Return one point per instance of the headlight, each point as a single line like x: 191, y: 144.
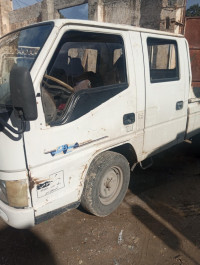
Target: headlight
x: 14, y: 193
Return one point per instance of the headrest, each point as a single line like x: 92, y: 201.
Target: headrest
x: 75, y: 67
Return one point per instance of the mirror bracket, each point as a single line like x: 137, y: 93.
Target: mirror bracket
x: 22, y: 130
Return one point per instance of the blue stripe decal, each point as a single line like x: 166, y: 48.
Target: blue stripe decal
x: 65, y: 149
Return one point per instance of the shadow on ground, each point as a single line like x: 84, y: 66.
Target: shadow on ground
x: 171, y: 190
x: 23, y: 247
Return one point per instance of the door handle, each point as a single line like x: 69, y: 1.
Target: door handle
x: 128, y: 118
x: 179, y: 105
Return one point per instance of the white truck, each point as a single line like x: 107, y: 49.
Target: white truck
x: 83, y: 104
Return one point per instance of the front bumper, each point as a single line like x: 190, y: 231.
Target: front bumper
x: 17, y: 218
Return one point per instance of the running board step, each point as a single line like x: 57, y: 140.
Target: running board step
x: 148, y: 162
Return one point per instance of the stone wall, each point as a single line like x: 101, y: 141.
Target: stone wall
x: 25, y: 16
x: 172, y: 17
x: 166, y: 15
x: 150, y: 14
x: 5, y: 9
x: 113, y: 11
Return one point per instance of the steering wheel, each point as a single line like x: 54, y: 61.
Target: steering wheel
x: 68, y: 87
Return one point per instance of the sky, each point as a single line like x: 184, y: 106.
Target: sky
x: 192, y: 2
x: 77, y: 12
x: 80, y: 12
x: 22, y: 3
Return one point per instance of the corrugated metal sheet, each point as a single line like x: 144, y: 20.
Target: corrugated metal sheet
x: 192, y: 34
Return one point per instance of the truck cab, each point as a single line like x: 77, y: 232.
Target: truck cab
x: 81, y: 103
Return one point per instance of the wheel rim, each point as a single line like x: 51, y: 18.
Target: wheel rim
x: 110, y: 185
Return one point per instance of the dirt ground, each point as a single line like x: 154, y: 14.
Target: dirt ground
x: 158, y: 222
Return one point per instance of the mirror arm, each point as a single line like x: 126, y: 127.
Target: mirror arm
x: 22, y: 130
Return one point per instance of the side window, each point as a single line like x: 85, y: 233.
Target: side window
x: 84, y: 63
x: 163, y: 60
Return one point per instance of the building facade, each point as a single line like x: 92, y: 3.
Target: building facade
x: 167, y: 15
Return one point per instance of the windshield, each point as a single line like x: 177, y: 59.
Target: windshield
x: 20, y: 48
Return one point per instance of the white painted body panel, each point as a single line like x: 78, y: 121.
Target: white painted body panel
x: 157, y: 123
x: 193, y: 119
x: 11, y: 145
x: 18, y: 218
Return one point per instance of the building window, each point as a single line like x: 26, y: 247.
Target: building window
x: 167, y: 22
x: 171, y: 2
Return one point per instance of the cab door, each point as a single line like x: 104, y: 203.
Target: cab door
x: 83, y: 95
x: 167, y: 82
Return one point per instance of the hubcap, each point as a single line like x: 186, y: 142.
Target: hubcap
x: 111, y: 185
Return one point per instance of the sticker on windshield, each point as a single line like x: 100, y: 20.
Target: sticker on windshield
x: 55, y: 182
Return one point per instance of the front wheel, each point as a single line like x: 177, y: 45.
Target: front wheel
x: 106, y: 183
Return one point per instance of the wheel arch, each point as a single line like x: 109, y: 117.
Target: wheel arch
x: 127, y: 151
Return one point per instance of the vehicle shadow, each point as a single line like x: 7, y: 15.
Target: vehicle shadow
x: 23, y: 247
x: 170, y: 191
x: 158, y: 229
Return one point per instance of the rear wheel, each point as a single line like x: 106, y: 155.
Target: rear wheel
x: 106, y: 183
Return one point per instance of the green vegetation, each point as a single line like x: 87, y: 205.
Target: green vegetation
x: 193, y: 11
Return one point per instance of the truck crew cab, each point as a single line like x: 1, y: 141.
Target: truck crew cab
x: 80, y: 104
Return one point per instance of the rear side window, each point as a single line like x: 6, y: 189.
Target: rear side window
x: 163, y: 60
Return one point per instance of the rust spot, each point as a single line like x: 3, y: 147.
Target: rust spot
x: 97, y: 151
x: 86, y: 142
x: 33, y: 182
x: 81, y: 179
x: 69, y: 180
x: 38, y: 181
x: 85, y: 167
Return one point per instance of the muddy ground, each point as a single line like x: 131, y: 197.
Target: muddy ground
x: 158, y: 222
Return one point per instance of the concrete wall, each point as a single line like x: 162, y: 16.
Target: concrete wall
x: 174, y: 12
x: 122, y: 12
x: 25, y: 16
x: 150, y: 14
x: 5, y: 9
x: 166, y: 15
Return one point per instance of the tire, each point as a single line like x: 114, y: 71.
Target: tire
x: 106, y: 183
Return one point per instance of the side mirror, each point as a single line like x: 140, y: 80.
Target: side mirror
x: 22, y: 93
